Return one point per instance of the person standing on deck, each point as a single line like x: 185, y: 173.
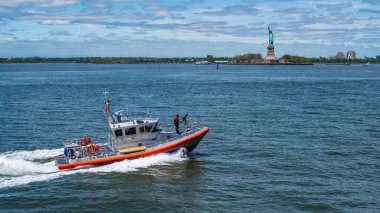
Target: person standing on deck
x: 176, y: 123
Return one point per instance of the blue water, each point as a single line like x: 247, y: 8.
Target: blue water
x: 282, y: 138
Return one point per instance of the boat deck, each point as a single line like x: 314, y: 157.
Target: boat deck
x: 104, y: 151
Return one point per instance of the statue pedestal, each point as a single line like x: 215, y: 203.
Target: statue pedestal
x: 270, y: 53
x: 271, y: 58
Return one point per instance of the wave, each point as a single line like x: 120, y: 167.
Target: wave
x: 38, y: 154
x: 22, y: 167
x: 18, y: 163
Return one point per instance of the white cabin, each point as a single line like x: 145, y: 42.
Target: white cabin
x: 127, y: 132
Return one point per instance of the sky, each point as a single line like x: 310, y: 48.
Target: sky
x: 187, y: 28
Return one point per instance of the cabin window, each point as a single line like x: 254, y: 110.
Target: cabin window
x: 118, y: 132
x: 148, y: 127
x: 155, y: 127
x: 142, y: 129
x: 130, y: 131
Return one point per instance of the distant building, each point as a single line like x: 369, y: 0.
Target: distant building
x: 340, y: 55
x: 378, y: 57
x: 210, y: 56
x: 351, y: 54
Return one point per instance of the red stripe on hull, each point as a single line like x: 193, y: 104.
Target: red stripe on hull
x: 177, y: 144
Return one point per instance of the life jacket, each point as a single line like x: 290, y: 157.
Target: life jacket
x: 176, y: 121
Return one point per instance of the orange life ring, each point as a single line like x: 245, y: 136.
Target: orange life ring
x: 91, y: 149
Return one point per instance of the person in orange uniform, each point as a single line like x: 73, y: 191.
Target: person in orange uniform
x: 176, y: 123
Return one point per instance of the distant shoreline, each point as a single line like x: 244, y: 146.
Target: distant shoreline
x: 188, y: 60
x: 238, y: 64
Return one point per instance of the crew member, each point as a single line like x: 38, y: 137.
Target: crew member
x: 176, y: 123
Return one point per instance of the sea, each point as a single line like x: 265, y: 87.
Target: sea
x: 281, y: 139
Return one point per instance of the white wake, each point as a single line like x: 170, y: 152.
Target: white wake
x: 24, y: 167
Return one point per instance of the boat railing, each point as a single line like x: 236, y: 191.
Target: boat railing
x: 188, y: 128
x: 83, y: 155
x: 189, y: 124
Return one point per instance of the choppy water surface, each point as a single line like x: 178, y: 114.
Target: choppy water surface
x: 282, y: 138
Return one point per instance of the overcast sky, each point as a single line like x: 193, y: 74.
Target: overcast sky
x: 153, y: 28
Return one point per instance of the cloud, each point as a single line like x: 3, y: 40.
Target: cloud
x: 233, y: 10
x: 148, y: 16
x: 371, y: 2
x: 66, y: 19
x: 140, y: 32
x: 334, y: 7
x: 58, y: 3
x: 7, y: 11
x: 195, y: 2
x: 54, y: 22
x: 160, y: 12
x: 219, y: 27
x: 38, y: 3
x: 17, y: 3
x: 7, y: 34
x: 59, y: 33
x: 2, y: 22
x: 295, y: 10
x: 370, y: 11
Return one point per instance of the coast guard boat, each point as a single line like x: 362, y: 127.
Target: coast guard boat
x: 128, y: 138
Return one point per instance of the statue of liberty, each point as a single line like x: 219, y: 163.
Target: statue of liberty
x: 271, y: 36
x: 270, y: 49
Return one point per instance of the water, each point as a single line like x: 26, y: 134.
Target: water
x: 282, y: 138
